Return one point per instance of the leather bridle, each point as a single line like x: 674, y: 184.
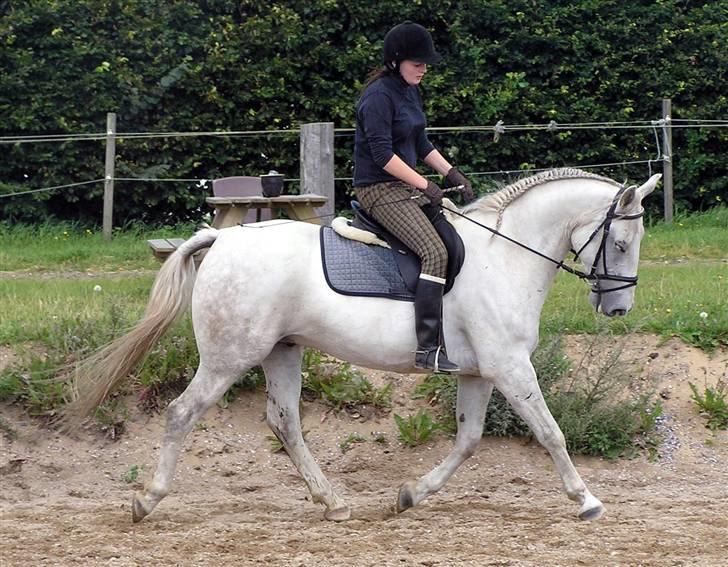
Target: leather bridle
x: 594, y: 276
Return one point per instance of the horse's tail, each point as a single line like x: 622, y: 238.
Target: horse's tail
x: 97, y: 376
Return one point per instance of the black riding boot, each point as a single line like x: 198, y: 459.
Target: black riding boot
x: 430, y: 353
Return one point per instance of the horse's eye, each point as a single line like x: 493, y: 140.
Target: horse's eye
x: 621, y: 245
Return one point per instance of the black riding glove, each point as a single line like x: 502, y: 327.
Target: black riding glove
x: 433, y: 193
x: 454, y: 178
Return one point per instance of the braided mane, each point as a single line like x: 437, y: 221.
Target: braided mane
x: 500, y: 200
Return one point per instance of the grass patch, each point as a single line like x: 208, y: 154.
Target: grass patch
x: 252, y: 380
x: 30, y: 383
x: 49, y: 311
x: 71, y: 247
x: 77, y: 321
x: 701, y: 235
x: 688, y: 301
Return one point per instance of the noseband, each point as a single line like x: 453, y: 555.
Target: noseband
x: 595, y: 277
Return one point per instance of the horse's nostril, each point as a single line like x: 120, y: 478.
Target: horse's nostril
x: 618, y: 313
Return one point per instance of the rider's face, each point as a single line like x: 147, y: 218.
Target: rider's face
x: 412, y: 71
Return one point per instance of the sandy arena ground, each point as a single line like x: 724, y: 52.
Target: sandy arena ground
x: 64, y: 501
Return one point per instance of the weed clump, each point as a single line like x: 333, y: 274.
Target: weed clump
x: 416, y: 429
x: 712, y: 404
x: 350, y: 440
x: 340, y: 385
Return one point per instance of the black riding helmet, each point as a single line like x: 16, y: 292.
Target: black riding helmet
x: 409, y: 41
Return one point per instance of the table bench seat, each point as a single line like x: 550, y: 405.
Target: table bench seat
x: 162, y: 248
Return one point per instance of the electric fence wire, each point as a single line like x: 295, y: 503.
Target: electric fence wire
x: 54, y: 188
x: 201, y: 181
x: 498, y: 127
x: 141, y: 135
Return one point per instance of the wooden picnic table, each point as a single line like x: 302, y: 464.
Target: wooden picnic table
x: 230, y: 211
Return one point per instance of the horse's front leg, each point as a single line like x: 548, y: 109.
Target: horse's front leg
x: 523, y: 392
x: 472, y: 401
x: 283, y: 379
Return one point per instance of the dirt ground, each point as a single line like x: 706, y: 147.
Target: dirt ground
x: 65, y: 501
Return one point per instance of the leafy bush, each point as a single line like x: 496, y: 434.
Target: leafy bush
x: 500, y: 420
x: 595, y: 411
x: 606, y: 429
x: 191, y: 66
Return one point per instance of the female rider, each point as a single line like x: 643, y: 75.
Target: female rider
x: 390, y: 138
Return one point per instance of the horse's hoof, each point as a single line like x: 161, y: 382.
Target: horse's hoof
x: 592, y: 509
x: 338, y: 514
x: 138, y: 511
x: 406, y: 496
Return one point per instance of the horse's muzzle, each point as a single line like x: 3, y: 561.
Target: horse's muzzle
x: 606, y: 306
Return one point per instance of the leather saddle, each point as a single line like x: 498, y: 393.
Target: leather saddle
x: 354, y: 268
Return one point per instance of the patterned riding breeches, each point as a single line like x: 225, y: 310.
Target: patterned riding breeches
x: 396, y: 206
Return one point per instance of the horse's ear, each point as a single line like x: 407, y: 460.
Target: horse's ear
x: 649, y: 186
x: 627, y: 198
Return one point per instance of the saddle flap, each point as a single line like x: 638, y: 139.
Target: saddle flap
x: 400, y: 260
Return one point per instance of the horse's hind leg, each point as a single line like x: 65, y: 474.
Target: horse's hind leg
x: 283, y: 378
x: 523, y: 393
x: 472, y: 402
x: 203, y: 391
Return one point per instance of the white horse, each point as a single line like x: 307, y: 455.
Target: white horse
x: 260, y: 297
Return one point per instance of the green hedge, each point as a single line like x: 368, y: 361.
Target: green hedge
x: 244, y: 65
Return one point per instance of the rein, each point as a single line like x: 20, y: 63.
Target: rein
x: 593, y: 276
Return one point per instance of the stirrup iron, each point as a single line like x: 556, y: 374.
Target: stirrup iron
x: 440, y: 364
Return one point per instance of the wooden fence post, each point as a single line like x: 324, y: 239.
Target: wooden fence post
x: 667, y: 158
x: 109, y: 174
x: 317, y: 164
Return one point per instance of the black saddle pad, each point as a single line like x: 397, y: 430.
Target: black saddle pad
x: 355, y: 268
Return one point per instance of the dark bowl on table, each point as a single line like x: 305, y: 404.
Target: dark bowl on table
x: 272, y: 185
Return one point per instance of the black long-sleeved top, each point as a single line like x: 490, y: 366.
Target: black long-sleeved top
x: 389, y: 121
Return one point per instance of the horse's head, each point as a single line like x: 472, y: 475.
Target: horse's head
x: 609, y: 247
